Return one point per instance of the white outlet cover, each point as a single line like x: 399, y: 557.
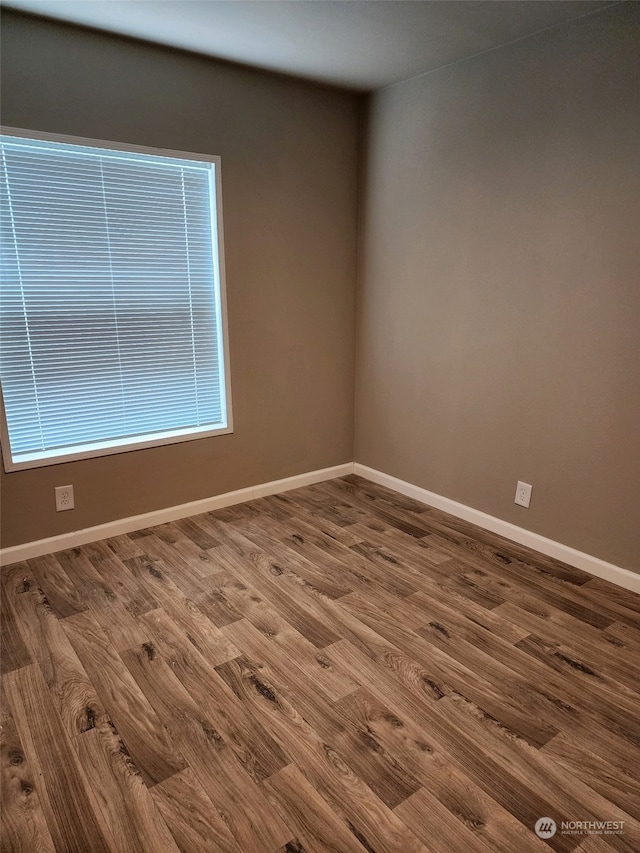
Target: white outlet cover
x: 523, y: 494
x: 64, y: 498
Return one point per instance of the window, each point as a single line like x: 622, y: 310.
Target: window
x: 112, y: 316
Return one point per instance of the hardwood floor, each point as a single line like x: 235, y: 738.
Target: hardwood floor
x: 337, y: 668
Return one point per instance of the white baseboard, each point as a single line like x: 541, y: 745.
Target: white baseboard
x: 52, y: 544
x: 578, y: 559
x: 592, y: 565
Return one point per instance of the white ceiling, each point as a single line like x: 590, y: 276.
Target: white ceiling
x: 356, y: 44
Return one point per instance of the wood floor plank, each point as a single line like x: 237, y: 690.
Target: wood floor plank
x: 625, y: 638
x: 119, y: 625
x: 316, y: 825
x: 61, y: 594
x: 187, y: 616
x: 291, y: 544
x: 353, y: 484
x: 229, y: 780
x: 332, y: 508
x: 307, y: 662
x: 546, y: 687
x: 490, y: 584
x: 605, y: 777
x: 606, y: 744
x: 438, y: 602
x: 75, y: 696
x: 135, y: 720
x: 598, y: 588
x: 124, y: 547
x: 566, y: 793
x: 198, y: 536
x: 303, y: 510
x: 136, y: 598
x: 595, y: 844
x: 385, y: 509
x: 274, y: 586
x: 522, y: 801
x: 386, y: 777
x: 597, y: 656
x: 23, y: 826
x: 277, y: 583
x: 415, y: 555
x: 613, y: 709
x: 185, y: 572
x: 13, y: 649
x: 428, y: 819
x: 550, y: 689
x: 451, y: 793
x: 564, y: 595
x: 67, y: 801
x: 192, y: 816
x: 243, y: 555
x: 215, y: 603
x: 335, y: 668
x: 13, y: 652
x: 498, y: 551
x: 253, y: 746
x: 481, y: 650
x: 547, y: 696
x: 123, y: 799
x: 200, y: 562
x: 367, y: 817
x: 353, y: 568
x: 258, y: 575
x: 451, y: 675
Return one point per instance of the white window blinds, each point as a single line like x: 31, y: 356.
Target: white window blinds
x: 111, y: 321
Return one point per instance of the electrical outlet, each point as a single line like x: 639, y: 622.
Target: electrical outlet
x: 523, y: 494
x: 64, y: 498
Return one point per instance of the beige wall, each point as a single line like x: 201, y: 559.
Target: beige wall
x: 498, y: 328
x: 289, y: 170
x: 499, y: 296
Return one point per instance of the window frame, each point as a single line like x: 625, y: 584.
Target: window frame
x: 125, y: 445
